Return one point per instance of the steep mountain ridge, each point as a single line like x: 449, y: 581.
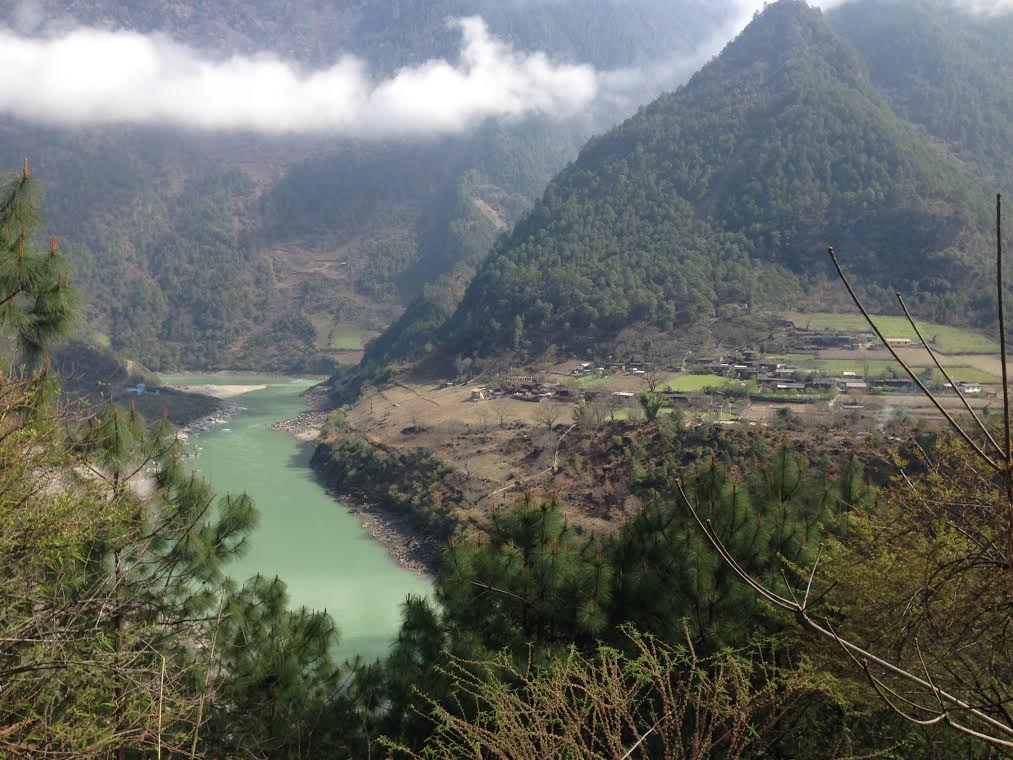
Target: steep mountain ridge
x: 946, y: 71
x: 726, y: 192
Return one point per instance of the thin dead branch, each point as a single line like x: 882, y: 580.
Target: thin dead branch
x: 1003, y: 734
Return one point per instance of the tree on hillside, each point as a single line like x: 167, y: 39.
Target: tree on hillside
x: 36, y: 301
x: 652, y: 404
x: 533, y: 580
x: 666, y: 573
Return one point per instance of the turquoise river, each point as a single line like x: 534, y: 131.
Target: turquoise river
x: 305, y: 537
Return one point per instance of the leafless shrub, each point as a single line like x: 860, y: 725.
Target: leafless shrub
x: 548, y: 414
x: 661, y: 701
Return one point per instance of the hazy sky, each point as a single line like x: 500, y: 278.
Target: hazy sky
x: 93, y: 76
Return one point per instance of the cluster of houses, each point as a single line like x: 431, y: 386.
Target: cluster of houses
x: 525, y: 388
x: 774, y: 375
x: 521, y: 388
x: 610, y: 367
x: 528, y: 388
x: 743, y: 365
x: 770, y: 374
x: 787, y: 338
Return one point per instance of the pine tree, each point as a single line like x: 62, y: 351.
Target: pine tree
x: 37, y: 304
x: 279, y: 678
x: 668, y: 575
x: 533, y: 579
x: 161, y: 567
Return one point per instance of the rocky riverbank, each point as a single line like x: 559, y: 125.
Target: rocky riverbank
x: 220, y: 416
x: 305, y: 426
x: 406, y: 500
x: 408, y: 540
x: 398, y: 535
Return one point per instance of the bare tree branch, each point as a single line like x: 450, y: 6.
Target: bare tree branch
x: 942, y: 369
x: 1003, y: 733
x: 917, y: 381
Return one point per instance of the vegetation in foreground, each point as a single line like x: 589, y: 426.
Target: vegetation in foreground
x: 123, y: 636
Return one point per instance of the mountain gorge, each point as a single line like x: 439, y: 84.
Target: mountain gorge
x: 184, y: 240
x: 724, y: 193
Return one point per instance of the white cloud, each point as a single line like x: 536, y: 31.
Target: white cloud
x: 91, y: 76
x: 988, y: 7
x: 77, y: 75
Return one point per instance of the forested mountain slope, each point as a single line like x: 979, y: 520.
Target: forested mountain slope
x: 727, y: 192
x: 947, y: 71
x: 235, y: 250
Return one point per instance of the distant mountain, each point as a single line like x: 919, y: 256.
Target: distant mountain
x: 215, y: 250
x: 726, y: 192
x: 944, y: 69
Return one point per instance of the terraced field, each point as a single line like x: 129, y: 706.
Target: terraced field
x: 945, y: 338
x: 883, y: 367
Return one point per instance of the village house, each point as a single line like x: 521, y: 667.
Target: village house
x: 892, y: 385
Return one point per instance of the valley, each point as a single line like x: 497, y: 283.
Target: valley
x: 505, y: 378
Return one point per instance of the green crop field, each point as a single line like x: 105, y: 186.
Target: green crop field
x: 966, y: 375
x: 347, y: 339
x: 688, y: 383
x: 947, y: 339
x: 881, y: 367
x: 340, y: 337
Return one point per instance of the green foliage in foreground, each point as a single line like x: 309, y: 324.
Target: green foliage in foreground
x: 37, y: 304
x: 122, y: 631
x: 536, y: 580
x: 184, y: 659
x: 536, y: 588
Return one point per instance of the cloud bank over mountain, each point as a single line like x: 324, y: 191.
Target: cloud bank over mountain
x: 81, y: 75
x: 90, y: 76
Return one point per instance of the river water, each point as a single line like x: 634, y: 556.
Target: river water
x: 315, y: 546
